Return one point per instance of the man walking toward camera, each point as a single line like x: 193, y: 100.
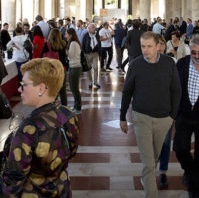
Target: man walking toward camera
x: 153, y: 83
x: 187, y: 120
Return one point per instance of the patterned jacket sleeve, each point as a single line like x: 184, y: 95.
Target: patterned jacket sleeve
x: 18, y: 163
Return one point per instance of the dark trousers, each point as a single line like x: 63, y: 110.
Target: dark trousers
x: 19, y: 69
x: 74, y: 76
x: 185, y: 128
x: 105, y: 50
x: 165, y: 152
x: 62, y: 92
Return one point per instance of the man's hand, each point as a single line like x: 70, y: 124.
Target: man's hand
x: 124, y: 126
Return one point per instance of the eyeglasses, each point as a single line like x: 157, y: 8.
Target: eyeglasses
x: 24, y: 84
x: 194, y: 52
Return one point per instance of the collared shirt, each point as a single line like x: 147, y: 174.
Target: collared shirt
x: 80, y: 33
x: 193, y: 83
x: 158, y: 58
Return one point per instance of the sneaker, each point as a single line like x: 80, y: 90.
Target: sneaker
x: 97, y: 86
x: 77, y: 112
x: 90, y: 85
x: 109, y: 68
x: 123, y: 70
x: 103, y: 70
x: 163, y: 181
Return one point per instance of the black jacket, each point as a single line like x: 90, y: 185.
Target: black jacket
x: 133, y: 42
x: 86, y: 48
x: 185, y: 107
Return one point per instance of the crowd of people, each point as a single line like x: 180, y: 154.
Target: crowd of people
x: 162, y: 84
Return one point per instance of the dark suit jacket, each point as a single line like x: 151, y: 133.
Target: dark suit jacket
x: 185, y: 107
x: 133, y: 42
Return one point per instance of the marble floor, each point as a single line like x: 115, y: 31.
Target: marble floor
x: 107, y: 164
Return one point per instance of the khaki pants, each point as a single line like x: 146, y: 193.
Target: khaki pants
x: 150, y: 134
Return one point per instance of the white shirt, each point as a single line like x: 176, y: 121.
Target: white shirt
x: 105, y: 33
x: 74, y: 55
x: 19, y: 53
x: 44, y: 28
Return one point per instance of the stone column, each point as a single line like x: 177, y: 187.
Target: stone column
x: 195, y: 6
x: 89, y: 9
x: 28, y: 13
x: 8, y: 13
x: 145, y: 9
x: 35, y: 9
x: 135, y: 9
x: 168, y: 10
x: 186, y: 9
x: 177, y: 8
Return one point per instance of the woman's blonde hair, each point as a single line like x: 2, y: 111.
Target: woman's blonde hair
x: 47, y: 71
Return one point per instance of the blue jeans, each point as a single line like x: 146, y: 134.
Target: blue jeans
x: 19, y: 69
x: 165, y: 152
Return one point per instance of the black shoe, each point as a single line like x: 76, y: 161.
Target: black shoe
x: 97, y: 86
x: 109, y: 68
x: 90, y: 85
x: 185, y: 179
x: 193, y: 193
x: 103, y: 70
x: 123, y: 70
x: 163, y: 182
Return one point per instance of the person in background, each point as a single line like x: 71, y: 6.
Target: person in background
x: 3, y: 71
x: 90, y: 48
x: 196, y: 28
x: 62, y: 28
x: 19, y: 24
x: 145, y: 26
x: 27, y: 32
x: 152, y: 81
x: 38, y: 42
x: 187, y: 120
x: 182, y: 26
x: 189, y: 29
x: 119, y: 34
x: 81, y: 31
x: 176, y: 46
x: 171, y: 28
x: 133, y: 41
x: 20, y: 55
x: 69, y: 24
x: 37, y: 161
x: 166, y: 147
x: 5, y: 36
x: 43, y: 25
x: 105, y: 35
x: 158, y: 27
x: 75, y: 69
x: 55, y: 47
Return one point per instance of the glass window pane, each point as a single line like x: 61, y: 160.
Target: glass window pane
x: 110, y: 4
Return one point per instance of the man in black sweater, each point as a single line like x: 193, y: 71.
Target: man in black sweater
x: 153, y: 82
x: 187, y: 120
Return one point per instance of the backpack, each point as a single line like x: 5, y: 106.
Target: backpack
x: 28, y: 47
x: 50, y: 53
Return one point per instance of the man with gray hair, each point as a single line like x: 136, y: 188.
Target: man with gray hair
x: 43, y: 25
x: 187, y: 120
x: 90, y: 47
